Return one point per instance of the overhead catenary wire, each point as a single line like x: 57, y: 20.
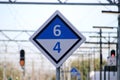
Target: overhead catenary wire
x: 60, y: 2
x: 13, y: 14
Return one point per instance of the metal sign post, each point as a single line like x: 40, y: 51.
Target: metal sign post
x: 58, y: 73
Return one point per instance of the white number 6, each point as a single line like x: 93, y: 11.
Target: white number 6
x: 56, y: 30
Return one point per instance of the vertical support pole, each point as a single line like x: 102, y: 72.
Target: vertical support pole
x: 108, y: 53
x: 118, y: 49
x: 58, y: 73
x: 104, y: 74
x: 23, y: 73
x: 108, y: 72
x: 109, y: 44
x: 100, y: 54
x: 4, y: 71
x: 94, y: 65
x: 83, y: 66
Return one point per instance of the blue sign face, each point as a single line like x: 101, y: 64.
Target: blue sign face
x: 57, y: 38
x: 57, y: 29
x: 73, y: 70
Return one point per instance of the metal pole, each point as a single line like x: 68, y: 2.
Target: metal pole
x: 108, y: 72
x: 118, y: 50
x: 108, y: 44
x: 23, y: 73
x: 100, y: 54
x: 58, y: 73
x: 108, y: 54
x: 83, y: 66
x: 94, y: 65
x: 4, y: 72
x: 105, y: 74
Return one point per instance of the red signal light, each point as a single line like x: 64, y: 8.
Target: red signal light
x: 112, y: 53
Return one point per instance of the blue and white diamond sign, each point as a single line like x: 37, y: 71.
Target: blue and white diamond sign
x: 74, y: 72
x: 57, y: 39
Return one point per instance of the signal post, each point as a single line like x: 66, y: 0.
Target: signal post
x: 22, y: 62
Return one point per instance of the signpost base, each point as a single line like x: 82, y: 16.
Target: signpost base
x: 58, y: 73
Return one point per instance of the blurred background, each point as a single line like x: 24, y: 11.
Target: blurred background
x: 19, y: 19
